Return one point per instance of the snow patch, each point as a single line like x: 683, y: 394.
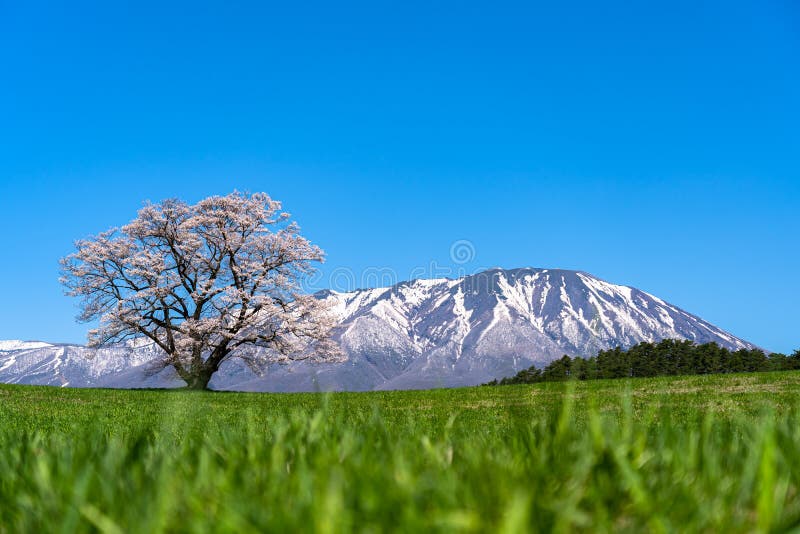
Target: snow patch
x: 15, y: 344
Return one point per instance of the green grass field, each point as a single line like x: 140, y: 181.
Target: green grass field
x: 703, y: 453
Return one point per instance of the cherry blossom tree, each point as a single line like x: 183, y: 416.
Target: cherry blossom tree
x: 207, y: 282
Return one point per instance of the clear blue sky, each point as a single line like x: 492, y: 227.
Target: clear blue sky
x: 653, y: 144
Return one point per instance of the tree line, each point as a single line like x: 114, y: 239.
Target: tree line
x: 669, y: 357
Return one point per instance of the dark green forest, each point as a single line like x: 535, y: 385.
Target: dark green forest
x: 669, y: 357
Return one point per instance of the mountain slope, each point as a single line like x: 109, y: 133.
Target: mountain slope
x: 419, y: 334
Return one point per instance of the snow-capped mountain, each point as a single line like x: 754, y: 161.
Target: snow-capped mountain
x: 419, y: 334
x: 33, y: 362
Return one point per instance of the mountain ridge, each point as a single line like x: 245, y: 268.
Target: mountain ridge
x: 442, y: 332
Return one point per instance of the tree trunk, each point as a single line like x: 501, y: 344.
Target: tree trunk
x: 199, y: 374
x: 198, y: 379
x: 196, y: 376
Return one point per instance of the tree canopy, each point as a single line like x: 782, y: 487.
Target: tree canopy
x: 205, y: 282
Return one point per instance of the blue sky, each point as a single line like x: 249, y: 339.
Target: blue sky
x: 654, y: 145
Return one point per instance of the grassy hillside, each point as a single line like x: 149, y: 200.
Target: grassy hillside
x: 718, y: 453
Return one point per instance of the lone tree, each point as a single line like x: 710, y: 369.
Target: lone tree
x: 206, y: 282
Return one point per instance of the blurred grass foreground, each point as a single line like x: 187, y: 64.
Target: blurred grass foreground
x: 702, y: 453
